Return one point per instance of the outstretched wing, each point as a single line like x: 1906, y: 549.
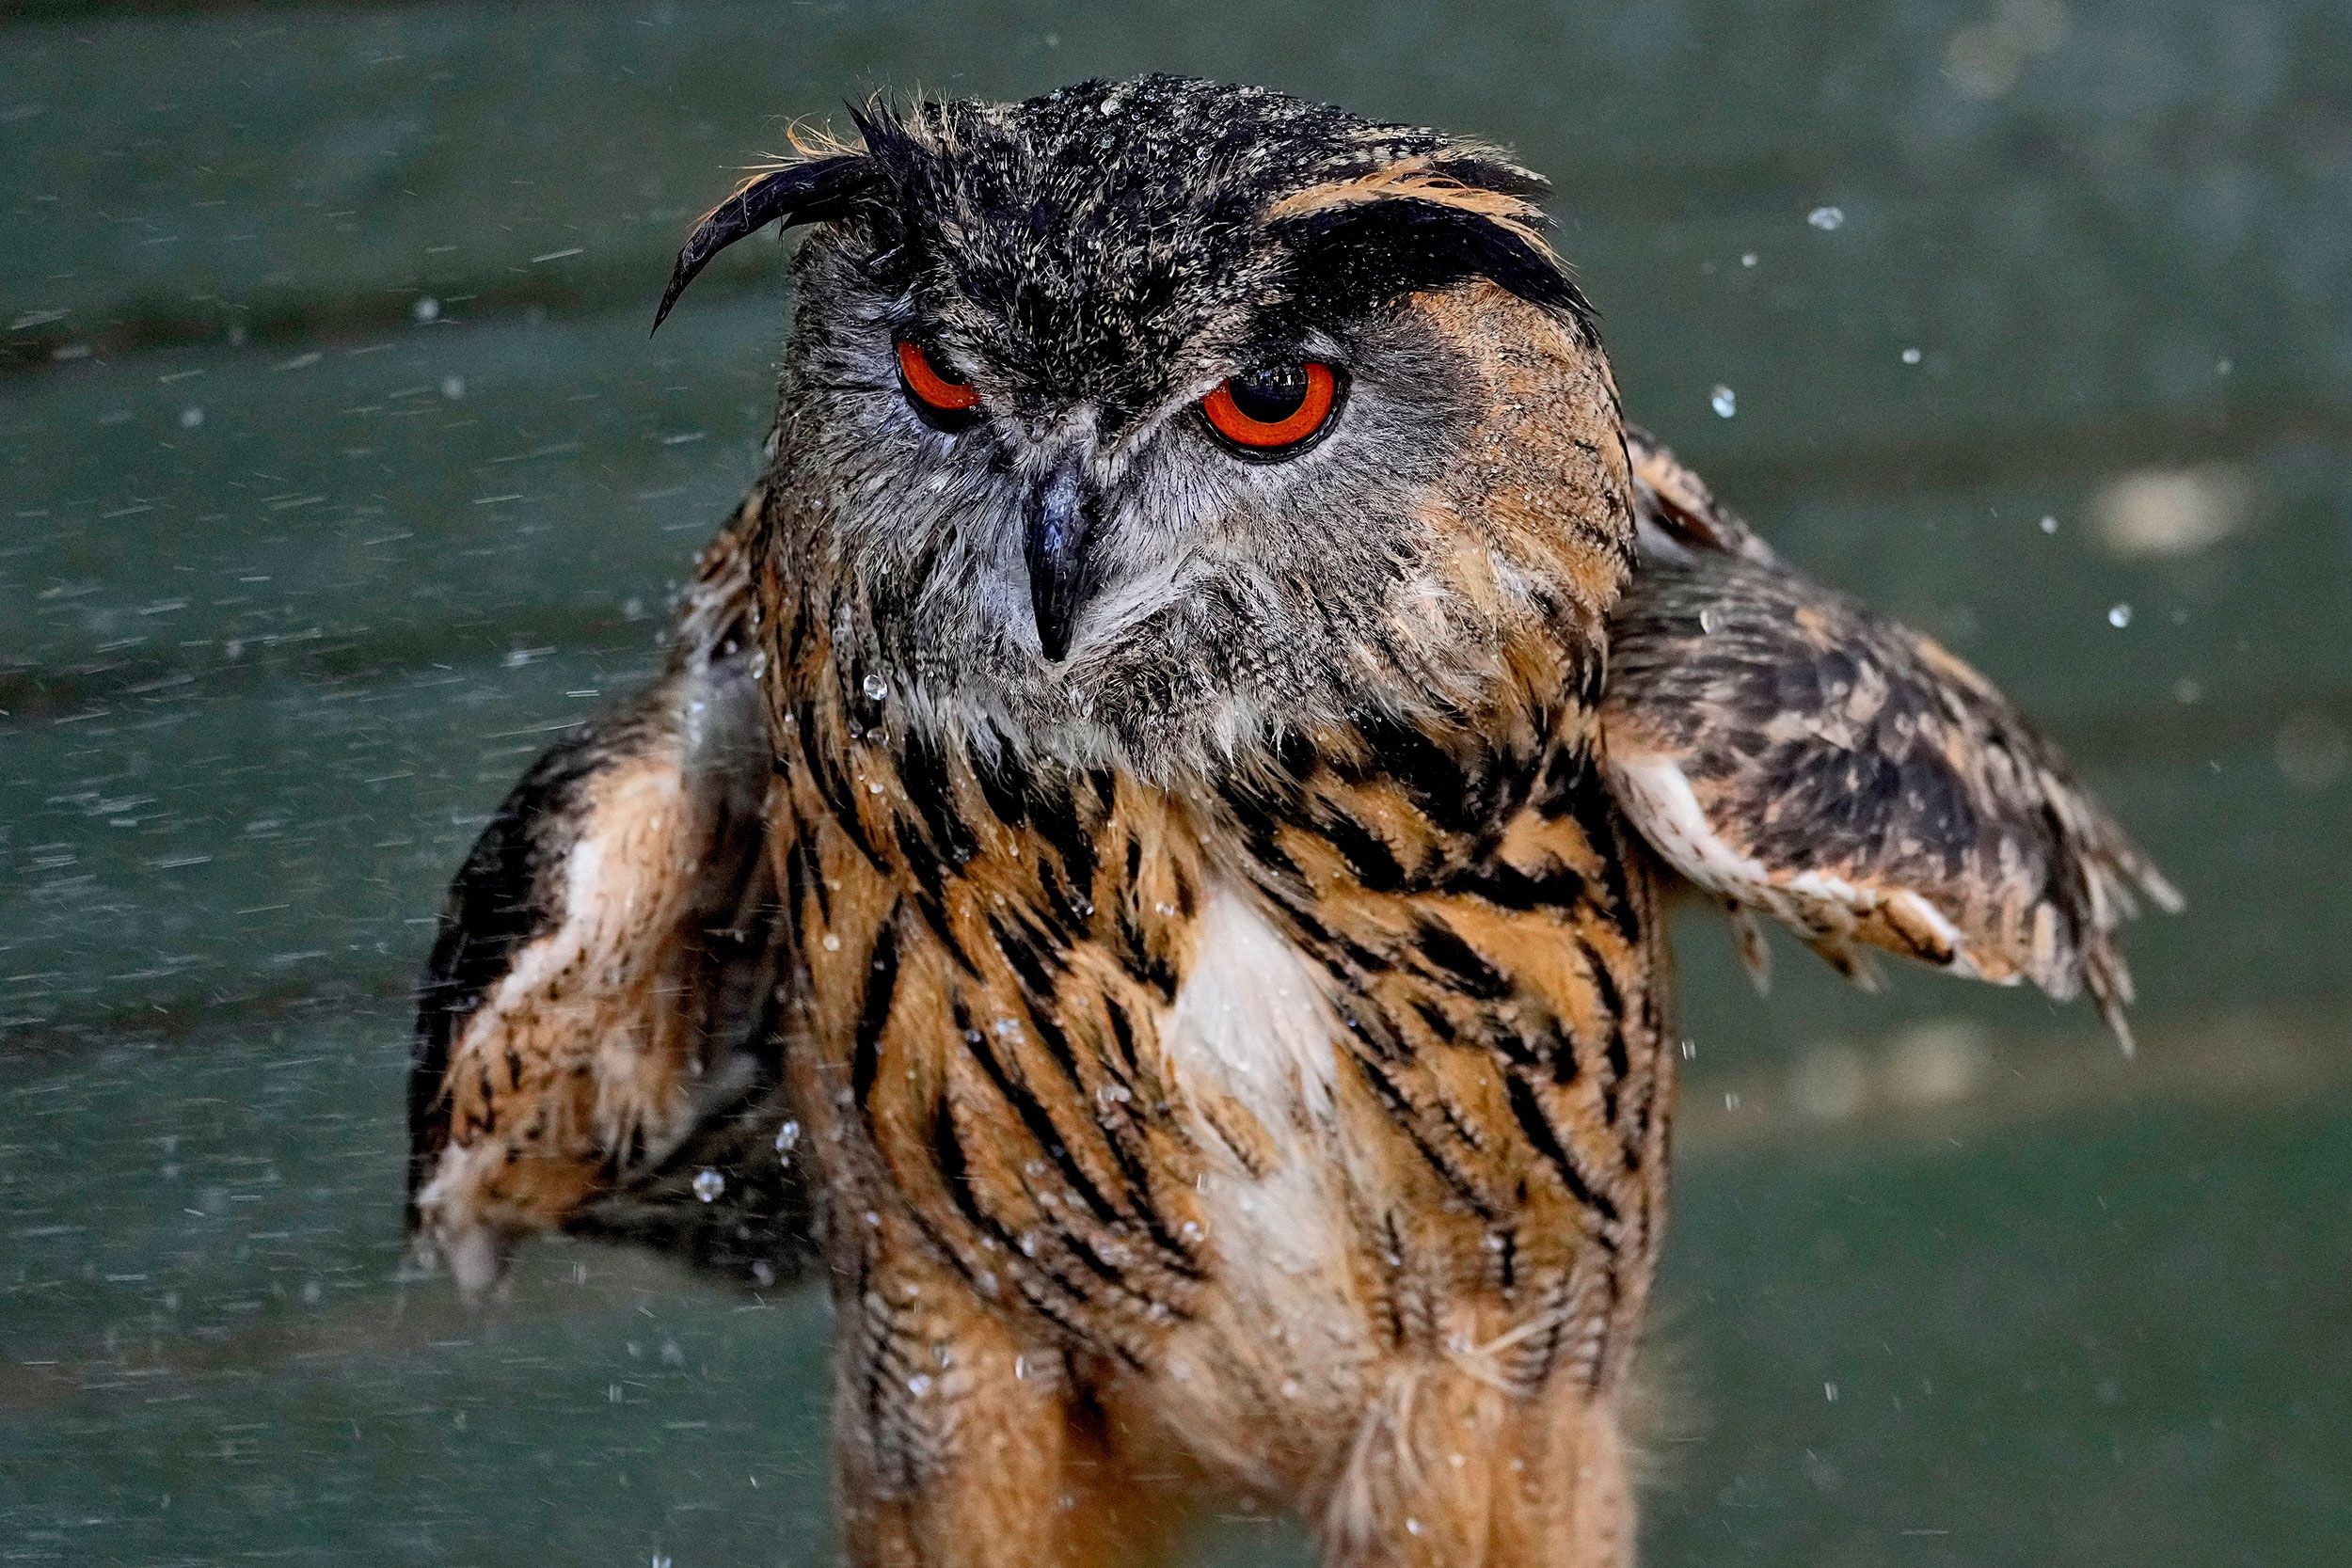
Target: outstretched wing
x: 1794, y: 754
x: 596, y: 1047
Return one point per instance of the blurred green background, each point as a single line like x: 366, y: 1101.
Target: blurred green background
x: 336, y: 473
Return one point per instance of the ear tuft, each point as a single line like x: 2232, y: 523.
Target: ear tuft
x: 1365, y: 250
x: 1505, y: 201
x: 1426, y: 221
x: 812, y: 191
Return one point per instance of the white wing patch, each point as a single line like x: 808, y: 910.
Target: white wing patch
x: 1828, y: 911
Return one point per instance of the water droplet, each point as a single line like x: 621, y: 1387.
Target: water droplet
x: 788, y: 1137
x: 1827, y: 219
x: 832, y: 942
x: 191, y: 416
x: 1111, y: 107
x: 709, y: 1184
x: 1710, y: 620
x: 2049, y: 525
x: 452, y: 386
x: 1829, y: 1392
x: 1747, y: 259
x: 1725, y: 402
x: 920, y: 1384
x: 428, y: 308
x: 876, y: 688
x: 2120, y: 616
x: 1911, y: 356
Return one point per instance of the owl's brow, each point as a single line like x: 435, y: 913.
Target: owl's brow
x: 1353, y: 257
x: 1497, y: 193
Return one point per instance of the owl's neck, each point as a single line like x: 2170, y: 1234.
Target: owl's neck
x: 1386, y: 803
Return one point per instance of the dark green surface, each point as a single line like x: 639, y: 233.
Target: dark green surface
x: 263, y: 671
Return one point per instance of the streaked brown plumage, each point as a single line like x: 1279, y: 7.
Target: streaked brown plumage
x: 1229, y: 1056
x: 1795, y: 754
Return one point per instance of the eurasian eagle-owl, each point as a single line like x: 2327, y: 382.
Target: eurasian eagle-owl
x: 1147, y: 858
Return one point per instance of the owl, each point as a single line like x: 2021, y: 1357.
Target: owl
x: 1145, y: 866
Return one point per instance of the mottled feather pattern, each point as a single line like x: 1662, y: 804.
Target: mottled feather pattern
x: 994, y: 962
x: 1228, y: 1051
x: 1496, y: 1119
x: 595, y: 1025
x: 1879, y: 790
x: 991, y: 949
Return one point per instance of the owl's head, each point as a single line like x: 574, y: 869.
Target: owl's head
x: 1143, y: 421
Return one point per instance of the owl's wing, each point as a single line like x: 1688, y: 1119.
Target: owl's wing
x: 1796, y: 756
x: 595, y: 1046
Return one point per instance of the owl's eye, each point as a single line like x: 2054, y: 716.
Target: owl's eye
x: 1274, y: 410
x: 944, y: 404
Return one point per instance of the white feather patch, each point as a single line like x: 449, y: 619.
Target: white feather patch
x: 1250, y: 1030
x: 1250, y: 1022
x: 1657, y: 794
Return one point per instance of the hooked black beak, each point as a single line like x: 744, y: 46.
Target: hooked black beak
x: 1057, y: 517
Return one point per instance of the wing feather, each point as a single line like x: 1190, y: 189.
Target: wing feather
x: 595, y: 1030
x: 1793, y: 753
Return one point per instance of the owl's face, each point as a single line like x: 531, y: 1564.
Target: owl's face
x: 1138, y: 423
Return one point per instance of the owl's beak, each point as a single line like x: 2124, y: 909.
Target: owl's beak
x: 1057, y: 518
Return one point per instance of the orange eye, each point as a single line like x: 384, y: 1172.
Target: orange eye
x: 932, y: 393
x: 1274, y: 410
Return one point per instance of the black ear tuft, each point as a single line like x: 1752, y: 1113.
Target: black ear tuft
x: 809, y: 192
x: 1365, y: 254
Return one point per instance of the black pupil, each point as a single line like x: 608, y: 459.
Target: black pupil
x: 1270, y: 393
